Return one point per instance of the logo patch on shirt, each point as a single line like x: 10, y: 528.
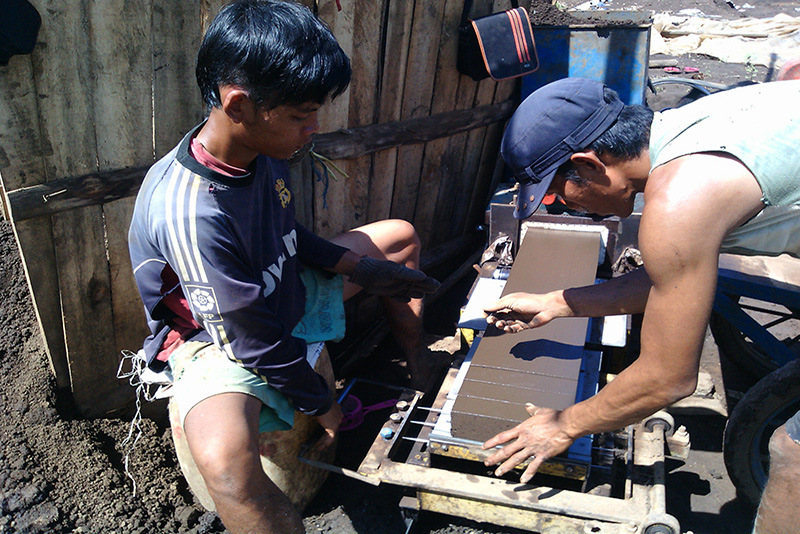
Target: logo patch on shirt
x: 284, y: 194
x: 204, y: 303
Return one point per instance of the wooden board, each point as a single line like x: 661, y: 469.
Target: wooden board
x: 63, y: 77
x: 21, y: 165
x: 544, y: 358
x: 366, y: 64
x: 458, y: 151
x: 417, y: 98
x: 436, y: 174
x: 330, y: 191
x: 129, y: 320
x: 87, y: 313
x: 177, y: 105
x: 392, y: 83
x: 122, y: 115
x: 473, y: 153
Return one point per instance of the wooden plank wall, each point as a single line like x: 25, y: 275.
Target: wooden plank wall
x: 123, y: 93
x: 407, y: 71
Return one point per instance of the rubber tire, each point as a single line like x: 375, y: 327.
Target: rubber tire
x: 765, y: 407
x: 744, y: 353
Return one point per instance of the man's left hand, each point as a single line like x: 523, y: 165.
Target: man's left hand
x: 389, y: 279
x: 540, y: 437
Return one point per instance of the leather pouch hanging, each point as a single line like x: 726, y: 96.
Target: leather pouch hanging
x: 500, y: 45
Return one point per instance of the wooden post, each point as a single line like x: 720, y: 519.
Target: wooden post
x: 422, y: 57
x: 392, y: 83
x: 435, y: 172
x: 22, y: 164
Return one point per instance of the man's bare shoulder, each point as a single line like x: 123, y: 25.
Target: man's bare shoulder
x: 714, y: 190
x: 691, y: 204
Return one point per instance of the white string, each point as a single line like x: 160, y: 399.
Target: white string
x: 134, y: 377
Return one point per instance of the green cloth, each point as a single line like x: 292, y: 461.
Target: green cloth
x: 323, y: 318
x: 760, y: 126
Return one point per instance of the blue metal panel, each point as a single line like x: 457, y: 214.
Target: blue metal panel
x: 614, y: 55
x: 588, y: 380
x: 731, y: 285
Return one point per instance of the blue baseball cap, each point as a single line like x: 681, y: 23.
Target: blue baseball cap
x: 550, y: 125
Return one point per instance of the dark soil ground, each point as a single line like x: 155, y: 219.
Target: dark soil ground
x: 59, y: 474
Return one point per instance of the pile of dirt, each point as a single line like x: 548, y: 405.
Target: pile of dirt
x: 60, y: 474
x: 546, y: 13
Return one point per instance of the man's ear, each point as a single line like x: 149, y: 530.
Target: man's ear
x: 236, y: 103
x: 588, y: 161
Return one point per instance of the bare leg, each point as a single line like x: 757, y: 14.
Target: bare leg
x: 222, y: 433
x: 394, y: 240
x: 778, y: 512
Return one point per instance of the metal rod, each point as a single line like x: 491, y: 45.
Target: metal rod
x: 429, y: 409
x: 423, y: 423
x: 418, y: 440
x: 341, y: 471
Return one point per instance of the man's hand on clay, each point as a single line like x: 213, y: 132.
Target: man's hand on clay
x: 389, y: 279
x: 520, y: 311
x: 540, y: 437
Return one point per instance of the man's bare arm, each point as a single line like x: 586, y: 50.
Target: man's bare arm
x: 622, y: 295
x: 685, y: 221
x: 665, y: 371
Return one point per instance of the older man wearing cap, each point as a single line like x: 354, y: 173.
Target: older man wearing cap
x: 719, y: 175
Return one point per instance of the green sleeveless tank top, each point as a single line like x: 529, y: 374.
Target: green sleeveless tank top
x: 760, y: 126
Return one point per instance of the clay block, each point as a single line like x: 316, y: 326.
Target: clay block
x: 549, y: 396
x: 480, y: 427
x: 547, y: 358
x: 512, y: 407
x: 517, y: 379
x: 553, y: 259
x: 529, y: 352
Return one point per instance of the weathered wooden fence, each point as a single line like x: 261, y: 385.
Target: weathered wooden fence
x: 110, y: 88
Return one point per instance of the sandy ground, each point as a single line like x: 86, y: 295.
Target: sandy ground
x: 59, y: 474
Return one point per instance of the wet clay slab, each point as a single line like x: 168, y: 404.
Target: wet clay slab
x: 540, y: 366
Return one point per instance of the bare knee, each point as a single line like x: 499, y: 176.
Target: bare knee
x: 226, y: 466
x: 405, y: 232
x: 406, y: 246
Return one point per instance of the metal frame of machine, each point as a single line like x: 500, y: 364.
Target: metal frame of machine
x: 622, y: 490
x: 403, y: 455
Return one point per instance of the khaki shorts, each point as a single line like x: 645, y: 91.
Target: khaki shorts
x: 201, y: 370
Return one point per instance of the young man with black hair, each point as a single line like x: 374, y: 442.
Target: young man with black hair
x: 718, y: 175
x: 232, y: 285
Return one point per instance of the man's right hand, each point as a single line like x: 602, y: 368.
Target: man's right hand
x: 329, y: 421
x: 520, y: 311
